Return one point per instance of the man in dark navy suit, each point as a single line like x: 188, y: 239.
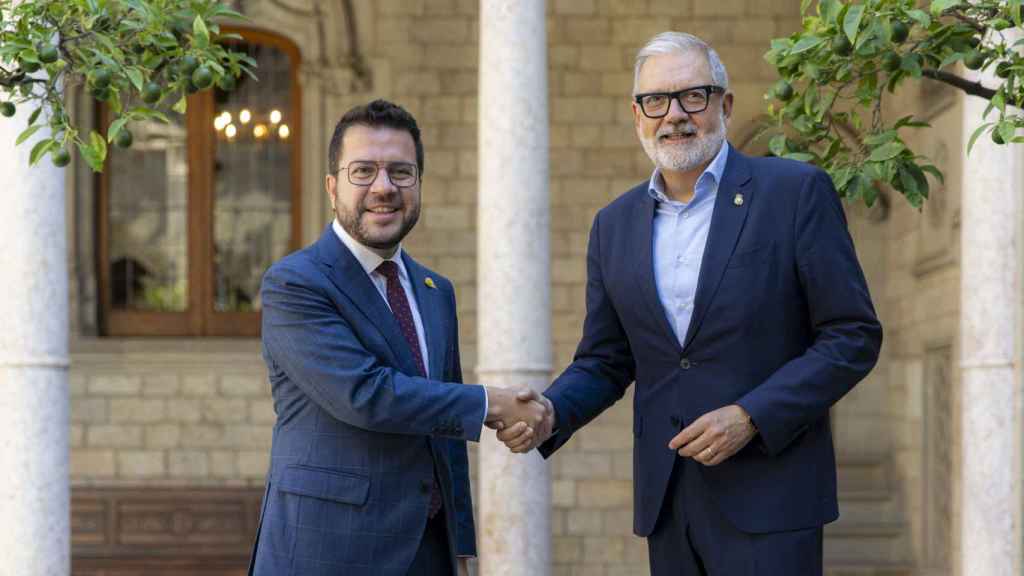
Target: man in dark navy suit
x: 368, y: 470
x: 727, y: 287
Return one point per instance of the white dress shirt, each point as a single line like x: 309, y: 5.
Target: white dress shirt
x: 369, y: 260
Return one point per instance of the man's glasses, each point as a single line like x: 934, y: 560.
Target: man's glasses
x: 692, y: 100
x: 364, y: 172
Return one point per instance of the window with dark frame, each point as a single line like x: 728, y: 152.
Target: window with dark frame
x: 192, y: 214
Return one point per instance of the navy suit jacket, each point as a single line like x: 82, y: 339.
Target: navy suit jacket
x: 783, y: 325
x: 358, y: 435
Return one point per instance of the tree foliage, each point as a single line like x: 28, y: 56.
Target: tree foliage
x: 137, y: 56
x: 836, y: 72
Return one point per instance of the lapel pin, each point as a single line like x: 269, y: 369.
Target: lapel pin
x: 738, y: 199
x: 429, y: 282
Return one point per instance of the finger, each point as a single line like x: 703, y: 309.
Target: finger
x: 695, y: 447
x: 512, y: 431
x: 526, y: 394
x: 688, y: 434
x: 520, y: 442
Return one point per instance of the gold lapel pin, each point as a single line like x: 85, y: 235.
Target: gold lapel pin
x: 429, y: 282
x: 738, y: 199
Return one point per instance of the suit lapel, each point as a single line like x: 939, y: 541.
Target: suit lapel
x: 348, y: 276
x: 430, y: 302
x: 643, y: 248
x: 726, y: 223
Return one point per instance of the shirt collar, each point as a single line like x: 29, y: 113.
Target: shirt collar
x: 367, y: 258
x: 708, y: 179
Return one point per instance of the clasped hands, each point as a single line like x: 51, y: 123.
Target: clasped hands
x: 524, y: 418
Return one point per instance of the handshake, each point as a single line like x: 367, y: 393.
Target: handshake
x: 524, y: 418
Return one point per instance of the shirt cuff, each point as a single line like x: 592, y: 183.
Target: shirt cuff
x: 487, y: 406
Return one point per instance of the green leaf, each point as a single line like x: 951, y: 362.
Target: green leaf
x: 940, y: 6
x: 921, y: 17
x: 999, y: 101
x: 777, y: 145
x: 851, y: 23
x: 99, y: 145
x: 40, y: 149
x: 934, y: 172
x: 135, y: 76
x: 200, y: 33
x: 115, y: 127
x: 35, y: 116
x: 977, y: 133
x: 829, y: 10
x: 886, y: 151
x: 181, y: 106
x: 800, y: 156
x: 26, y: 134
x: 143, y: 113
x: 804, y: 5
x: 806, y: 43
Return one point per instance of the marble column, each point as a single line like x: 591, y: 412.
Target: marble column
x: 513, y: 273
x: 34, y: 478
x: 990, y: 328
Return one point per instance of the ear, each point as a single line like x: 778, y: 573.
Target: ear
x: 331, y: 185
x: 727, y: 105
x: 638, y: 116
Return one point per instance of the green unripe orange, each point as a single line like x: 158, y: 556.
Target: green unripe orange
x: 7, y: 109
x: 60, y: 158
x: 124, y: 138
x: 900, y: 32
x: 974, y: 60
x: 783, y: 90
x: 202, y: 77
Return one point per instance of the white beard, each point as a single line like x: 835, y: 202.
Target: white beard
x: 685, y: 156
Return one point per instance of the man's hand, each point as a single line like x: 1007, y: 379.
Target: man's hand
x: 505, y: 410
x: 519, y: 437
x: 463, y: 567
x: 716, y: 436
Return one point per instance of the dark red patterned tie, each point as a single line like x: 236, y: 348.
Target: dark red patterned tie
x: 403, y: 313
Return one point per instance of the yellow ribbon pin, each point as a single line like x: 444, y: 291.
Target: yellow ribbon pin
x: 738, y: 200
x: 429, y: 282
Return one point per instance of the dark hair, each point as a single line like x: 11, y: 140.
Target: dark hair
x: 376, y: 114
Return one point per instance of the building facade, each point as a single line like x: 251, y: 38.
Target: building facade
x: 171, y: 414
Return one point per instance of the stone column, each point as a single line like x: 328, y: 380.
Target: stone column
x: 990, y: 293
x: 34, y: 478
x: 513, y: 273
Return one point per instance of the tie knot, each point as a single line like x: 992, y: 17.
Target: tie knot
x: 388, y: 269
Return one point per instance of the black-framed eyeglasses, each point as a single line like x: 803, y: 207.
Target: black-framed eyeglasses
x: 692, y: 100
x: 364, y: 172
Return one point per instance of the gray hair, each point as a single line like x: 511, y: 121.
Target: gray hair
x: 674, y: 42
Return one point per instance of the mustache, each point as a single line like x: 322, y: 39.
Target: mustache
x: 684, y: 130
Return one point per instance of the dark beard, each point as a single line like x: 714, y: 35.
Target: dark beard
x: 356, y: 231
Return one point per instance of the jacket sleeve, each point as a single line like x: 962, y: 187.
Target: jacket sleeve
x: 847, y: 334
x: 465, y: 529
x: 603, y: 367
x: 306, y: 338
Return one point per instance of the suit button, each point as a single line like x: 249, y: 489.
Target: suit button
x: 425, y: 487
x: 684, y: 363
x: 675, y: 421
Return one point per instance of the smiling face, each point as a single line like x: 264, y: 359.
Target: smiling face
x: 378, y: 215
x: 679, y: 141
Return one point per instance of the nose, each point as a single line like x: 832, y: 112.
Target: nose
x: 382, y: 183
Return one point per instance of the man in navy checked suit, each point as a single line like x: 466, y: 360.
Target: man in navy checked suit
x: 368, y: 473
x: 727, y: 287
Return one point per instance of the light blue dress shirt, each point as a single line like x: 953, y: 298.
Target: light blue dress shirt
x: 680, y: 235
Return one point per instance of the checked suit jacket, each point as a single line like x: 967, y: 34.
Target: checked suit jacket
x: 359, y: 435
